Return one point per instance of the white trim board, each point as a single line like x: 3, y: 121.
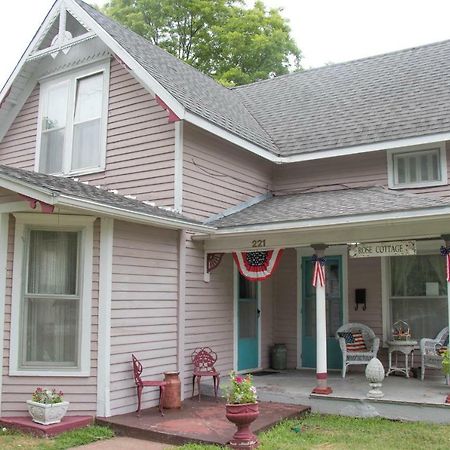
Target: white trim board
x: 104, y: 318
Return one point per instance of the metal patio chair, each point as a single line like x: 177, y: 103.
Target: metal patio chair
x: 140, y: 384
x: 429, y: 351
x: 361, y: 356
x: 203, y: 359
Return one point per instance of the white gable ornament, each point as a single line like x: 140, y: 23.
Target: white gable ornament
x: 375, y: 249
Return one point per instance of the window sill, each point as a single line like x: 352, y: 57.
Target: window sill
x: 418, y: 185
x: 78, y: 173
x: 48, y: 373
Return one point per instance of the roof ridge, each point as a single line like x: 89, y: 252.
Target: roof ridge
x: 342, y: 63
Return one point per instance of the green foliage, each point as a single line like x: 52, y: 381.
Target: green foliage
x: 47, y: 396
x: 316, y: 431
x: 13, y: 440
x: 241, y: 389
x: 446, y: 362
x: 222, y: 38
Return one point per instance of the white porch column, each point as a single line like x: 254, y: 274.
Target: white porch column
x: 321, y: 332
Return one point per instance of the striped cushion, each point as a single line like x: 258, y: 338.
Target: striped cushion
x: 354, y: 341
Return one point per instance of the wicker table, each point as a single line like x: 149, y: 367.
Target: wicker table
x: 407, y: 348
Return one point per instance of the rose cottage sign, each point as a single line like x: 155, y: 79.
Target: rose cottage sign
x: 396, y: 248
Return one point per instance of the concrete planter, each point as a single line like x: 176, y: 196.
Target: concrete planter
x: 47, y: 414
x: 242, y: 415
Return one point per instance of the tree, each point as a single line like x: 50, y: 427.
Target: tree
x: 222, y: 38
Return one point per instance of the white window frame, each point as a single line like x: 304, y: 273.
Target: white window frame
x: 423, y: 248
x: 417, y: 150
x: 85, y: 225
x: 71, y: 78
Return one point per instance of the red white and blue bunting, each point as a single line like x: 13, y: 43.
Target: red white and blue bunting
x: 257, y: 266
x: 319, y: 271
x: 446, y: 252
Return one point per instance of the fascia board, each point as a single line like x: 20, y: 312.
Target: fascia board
x: 438, y: 212
x: 137, y: 70
x: 54, y: 11
x: 132, y: 216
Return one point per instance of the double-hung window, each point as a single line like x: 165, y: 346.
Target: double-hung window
x: 52, y: 284
x: 73, y: 115
x: 425, y: 166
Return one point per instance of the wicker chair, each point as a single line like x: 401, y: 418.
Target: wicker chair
x: 371, y: 342
x: 430, y: 356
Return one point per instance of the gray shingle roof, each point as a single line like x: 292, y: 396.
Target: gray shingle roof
x: 67, y: 186
x: 391, y: 96
x: 386, y: 97
x: 197, y: 92
x: 328, y: 204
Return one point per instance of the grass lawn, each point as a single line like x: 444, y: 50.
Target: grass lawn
x: 317, y: 431
x: 13, y: 440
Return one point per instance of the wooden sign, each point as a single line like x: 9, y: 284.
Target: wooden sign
x: 396, y: 248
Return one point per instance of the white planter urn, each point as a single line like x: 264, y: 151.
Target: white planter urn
x: 375, y: 376
x: 47, y: 414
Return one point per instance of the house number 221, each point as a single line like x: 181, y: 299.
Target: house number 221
x: 257, y: 243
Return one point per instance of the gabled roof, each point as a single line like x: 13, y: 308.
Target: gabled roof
x: 332, y: 205
x: 66, y: 192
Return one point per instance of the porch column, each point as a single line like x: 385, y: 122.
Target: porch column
x: 321, y: 332
x: 446, y: 238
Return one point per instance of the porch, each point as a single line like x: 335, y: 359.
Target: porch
x: 404, y: 398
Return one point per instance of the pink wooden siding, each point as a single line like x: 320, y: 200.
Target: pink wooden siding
x: 285, y: 305
x: 144, y: 309
x: 218, y: 175
x: 18, y: 146
x: 79, y: 391
x: 209, y: 311
x: 368, y: 169
x: 140, y: 141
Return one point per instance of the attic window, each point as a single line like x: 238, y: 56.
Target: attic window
x: 421, y: 167
x: 73, y: 115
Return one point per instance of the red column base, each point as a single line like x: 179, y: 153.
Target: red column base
x: 447, y: 400
x: 322, y: 390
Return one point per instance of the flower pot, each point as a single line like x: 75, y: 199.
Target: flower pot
x: 242, y: 415
x: 46, y: 414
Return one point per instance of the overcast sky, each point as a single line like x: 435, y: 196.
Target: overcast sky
x: 325, y: 30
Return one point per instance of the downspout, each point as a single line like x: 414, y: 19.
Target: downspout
x: 181, y: 306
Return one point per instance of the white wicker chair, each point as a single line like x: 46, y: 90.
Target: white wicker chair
x: 352, y: 358
x: 429, y: 351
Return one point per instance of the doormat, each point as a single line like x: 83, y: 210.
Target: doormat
x: 261, y: 373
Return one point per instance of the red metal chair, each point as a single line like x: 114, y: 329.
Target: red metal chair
x: 140, y: 384
x: 204, y: 359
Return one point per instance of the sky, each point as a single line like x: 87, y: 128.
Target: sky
x: 326, y: 31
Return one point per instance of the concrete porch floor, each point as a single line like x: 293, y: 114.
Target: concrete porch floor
x: 196, y: 421
x: 404, y: 399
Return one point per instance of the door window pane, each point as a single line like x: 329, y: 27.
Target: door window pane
x: 247, y: 288
x: 248, y: 319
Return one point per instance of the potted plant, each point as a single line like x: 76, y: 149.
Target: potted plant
x: 47, y: 406
x: 242, y: 410
x: 446, y: 368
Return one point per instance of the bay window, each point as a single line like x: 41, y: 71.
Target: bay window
x: 73, y: 116
x: 418, y: 293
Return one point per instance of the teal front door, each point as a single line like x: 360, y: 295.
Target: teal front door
x: 333, y: 279
x: 248, y: 324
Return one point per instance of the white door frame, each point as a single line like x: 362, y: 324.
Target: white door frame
x: 235, y: 322
x: 336, y: 250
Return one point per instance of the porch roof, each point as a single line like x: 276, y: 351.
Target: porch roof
x: 67, y: 192
x: 349, y: 202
